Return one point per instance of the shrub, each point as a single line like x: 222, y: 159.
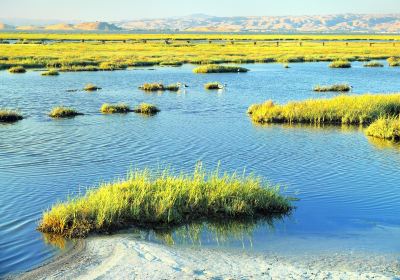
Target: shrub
x: 160, y: 199
x: 340, y: 64
x: 336, y: 87
x: 146, y: 109
x: 63, y: 112
x: 17, y: 70
x: 219, y: 69
x: 9, y: 116
x: 114, y: 108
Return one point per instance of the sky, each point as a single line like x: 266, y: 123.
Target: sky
x: 114, y: 10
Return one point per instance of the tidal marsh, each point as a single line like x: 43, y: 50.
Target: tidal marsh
x: 161, y: 199
x: 385, y: 128
x: 362, y: 109
x: 63, y: 112
x: 9, y: 116
x: 114, y: 108
x: 333, y: 88
x: 146, y: 109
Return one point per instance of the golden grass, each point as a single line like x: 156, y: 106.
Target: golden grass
x: 159, y: 87
x: 385, y: 128
x: 340, y: 64
x: 63, y: 112
x: 146, y: 109
x: 362, y: 109
x: 373, y: 64
x: 160, y: 199
x: 114, y: 108
x: 393, y: 61
x: 333, y: 88
x: 219, y: 69
x: 51, y: 73
x: 9, y: 116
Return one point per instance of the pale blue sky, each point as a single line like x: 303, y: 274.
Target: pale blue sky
x: 133, y: 9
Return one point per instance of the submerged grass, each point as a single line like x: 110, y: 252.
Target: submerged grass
x: 9, y: 116
x: 362, y: 109
x: 334, y: 88
x: 146, y: 109
x: 340, y: 64
x: 114, y: 108
x: 63, y: 112
x: 219, y: 69
x: 160, y: 199
x: 385, y: 128
x: 17, y: 70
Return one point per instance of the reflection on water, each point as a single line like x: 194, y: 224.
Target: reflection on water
x: 383, y: 144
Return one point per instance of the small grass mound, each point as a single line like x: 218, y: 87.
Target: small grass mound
x: 17, y: 70
x: 146, y: 109
x: 385, y: 128
x: 161, y: 199
x: 9, y: 116
x: 63, y: 112
x: 172, y: 87
x: 333, y: 88
x: 219, y: 69
x: 213, y: 85
x: 362, y: 109
x: 114, y: 108
x: 393, y: 61
x: 373, y: 64
x: 91, y: 87
x: 171, y: 63
x: 340, y: 64
x: 51, y: 73
x: 159, y: 87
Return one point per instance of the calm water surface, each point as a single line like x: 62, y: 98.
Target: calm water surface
x: 348, y: 184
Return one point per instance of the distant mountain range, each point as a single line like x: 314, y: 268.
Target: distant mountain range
x: 349, y: 23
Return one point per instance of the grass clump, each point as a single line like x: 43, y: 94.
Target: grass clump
x: 114, y: 108
x: 9, y: 116
x: 393, y: 61
x: 91, y: 87
x: 63, y: 112
x: 172, y: 87
x: 159, y: 87
x: 362, y: 109
x: 213, y: 85
x: 161, y: 199
x: 334, y: 88
x: 373, y: 63
x: 146, y: 109
x: 171, y: 63
x: 51, y: 73
x: 385, y: 128
x: 219, y: 69
x: 17, y: 70
x: 340, y: 64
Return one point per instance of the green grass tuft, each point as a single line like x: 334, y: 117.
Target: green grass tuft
x: 160, y: 199
x: 9, y: 116
x: 114, y: 108
x: 219, y: 69
x: 17, y: 70
x: 362, y: 109
x: 63, y: 112
x: 385, y: 128
x: 340, y: 64
x: 334, y: 88
x: 51, y: 73
x: 146, y: 109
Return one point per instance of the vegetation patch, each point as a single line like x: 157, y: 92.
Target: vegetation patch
x: 173, y: 87
x: 9, y: 116
x: 91, y: 87
x: 340, y: 64
x: 219, y: 69
x: 17, y: 70
x: 362, y: 109
x: 213, y: 85
x: 393, y: 61
x: 63, y: 112
x: 171, y: 63
x: 373, y: 63
x: 334, y: 88
x: 114, y: 108
x: 146, y: 109
x: 161, y: 199
x: 159, y: 87
x: 51, y: 73
x: 385, y: 128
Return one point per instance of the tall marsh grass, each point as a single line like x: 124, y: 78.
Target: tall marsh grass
x: 385, y: 128
x: 120, y: 108
x: 362, y: 109
x: 161, y: 199
x: 63, y: 112
x: 146, y: 109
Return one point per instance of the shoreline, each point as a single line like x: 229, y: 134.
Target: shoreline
x: 122, y: 256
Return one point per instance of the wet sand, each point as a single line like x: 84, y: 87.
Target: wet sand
x: 124, y: 257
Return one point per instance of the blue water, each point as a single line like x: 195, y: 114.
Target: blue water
x: 348, y: 184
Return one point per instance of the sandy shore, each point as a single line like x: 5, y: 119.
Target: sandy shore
x: 123, y: 257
